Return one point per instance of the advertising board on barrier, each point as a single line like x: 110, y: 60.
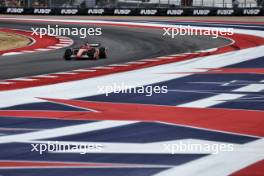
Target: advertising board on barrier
x: 137, y: 11
x: 225, y: 12
x: 14, y: 10
x: 251, y: 11
x: 42, y: 11
x: 201, y: 12
x: 95, y: 11
x: 174, y: 12
x: 69, y: 11
x: 122, y: 11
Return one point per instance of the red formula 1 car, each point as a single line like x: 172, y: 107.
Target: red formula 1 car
x: 86, y: 51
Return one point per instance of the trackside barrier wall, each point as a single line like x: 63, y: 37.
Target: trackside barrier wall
x: 136, y: 12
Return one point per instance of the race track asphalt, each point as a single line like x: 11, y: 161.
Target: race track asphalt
x: 124, y: 44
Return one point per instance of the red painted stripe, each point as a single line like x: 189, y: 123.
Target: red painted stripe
x: 237, y: 71
x: 230, y: 120
x: 18, y: 164
x: 256, y: 169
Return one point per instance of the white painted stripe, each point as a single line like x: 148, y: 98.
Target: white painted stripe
x: 211, y: 101
x: 21, y: 79
x: 65, y: 40
x: 251, y: 88
x: 136, y: 62
x: 6, y: 83
x: 84, y: 70
x: 222, y: 164
x: 43, y: 49
x: 66, y: 43
x: 64, y: 73
x: 45, y: 76
x: 28, y: 51
x: 62, y: 44
x: 11, y: 53
x: 165, y: 57
x: 178, y: 55
x: 101, y: 67
x: 150, y: 60
x: 207, y: 50
x: 118, y: 65
x: 63, y: 131
x: 55, y: 47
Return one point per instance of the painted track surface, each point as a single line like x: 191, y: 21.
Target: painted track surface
x: 220, y: 103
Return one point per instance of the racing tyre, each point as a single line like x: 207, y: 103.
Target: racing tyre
x: 92, y: 54
x: 102, y: 52
x: 67, y: 55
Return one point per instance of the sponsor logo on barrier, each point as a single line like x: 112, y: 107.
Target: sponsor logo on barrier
x: 225, y: 12
x: 175, y: 12
x: 14, y: 10
x: 127, y: 11
x: 42, y: 11
x: 122, y: 11
x: 251, y: 11
x: 95, y: 11
x: 69, y: 11
x: 148, y: 12
x: 201, y: 12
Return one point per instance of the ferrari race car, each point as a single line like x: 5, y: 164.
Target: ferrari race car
x: 86, y: 51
